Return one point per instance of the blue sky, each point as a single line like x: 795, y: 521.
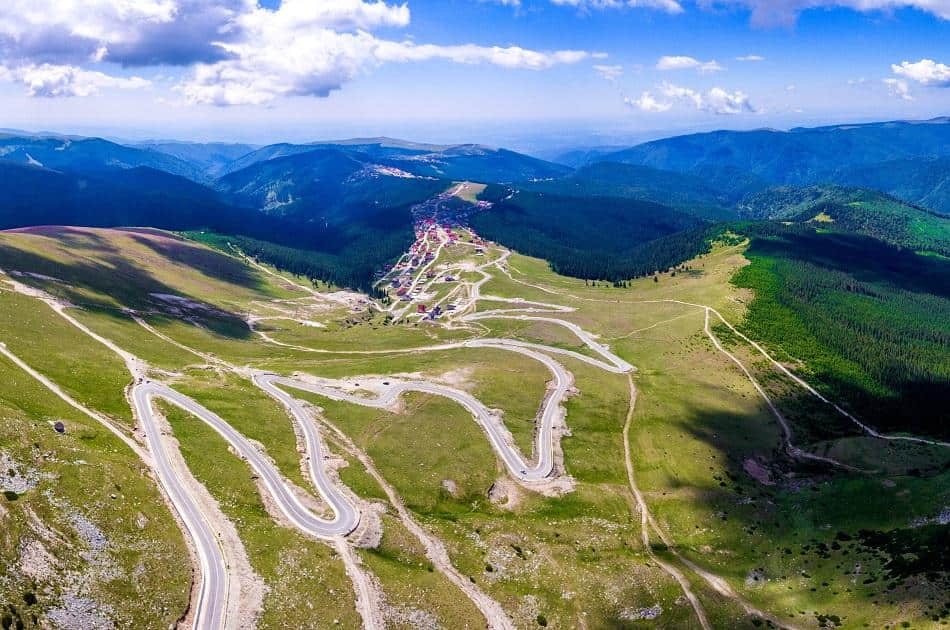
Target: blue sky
x: 519, y: 73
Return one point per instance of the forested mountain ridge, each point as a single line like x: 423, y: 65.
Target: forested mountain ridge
x: 598, y: 238
x: 921, y: 181
x: 213, y: 158
x: 345, y: 253
x: 325, y: 185
x: 855, y: 210
x: 688, y: 193
x: 864, y: 320
x: 465, y: 161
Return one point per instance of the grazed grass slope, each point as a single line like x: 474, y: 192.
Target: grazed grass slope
x: 83, y: 525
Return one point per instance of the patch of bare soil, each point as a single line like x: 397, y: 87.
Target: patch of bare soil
x: 460, y: 378
x: 369, y: 533
x: 758, y: 472
x: 506, y: 493
x: 36, y: 562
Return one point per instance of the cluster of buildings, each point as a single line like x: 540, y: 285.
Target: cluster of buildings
x: 399, y: 278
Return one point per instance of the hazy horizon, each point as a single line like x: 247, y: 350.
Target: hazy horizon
x: 546, y: 139
x: 533, y: 75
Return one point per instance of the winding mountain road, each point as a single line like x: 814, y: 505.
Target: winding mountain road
x: 346, y: 517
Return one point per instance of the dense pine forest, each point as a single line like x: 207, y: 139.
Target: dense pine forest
x: 870, y: 320
x: 597, y: 238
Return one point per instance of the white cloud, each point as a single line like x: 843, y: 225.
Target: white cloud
x: 513, y: 57
x: 647, y: 103
x: 681, y: 62
x: 750, y: 58
x: 310, y: 49
x: 785, y: 12
x: 97, y: 20
x: 926, y: 72
x: 715, y: 100
x: 47, y: 80
x: 239, y: 52
x: 610, y: 73
x: 129, y: 32
x: 670, y: 6
x: 899, y: 89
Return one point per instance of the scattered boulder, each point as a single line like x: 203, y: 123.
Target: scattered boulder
x: 638, y: 614
x: 451, y: 487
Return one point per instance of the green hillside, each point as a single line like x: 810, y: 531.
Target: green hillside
x: 868, y: 322
x: 922, y: 181
x: 854, y: 210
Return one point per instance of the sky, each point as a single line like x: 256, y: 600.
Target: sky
x: 529, y: 74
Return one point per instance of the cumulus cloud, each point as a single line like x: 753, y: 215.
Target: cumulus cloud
x: 509, y: 57
x: 670, y: 6
x: 899, y: 89
x: 785, y: 12
x: 715, y: 100
x: 648, y: 103
x: 129, y: 32
x: 304, y: 49
x: 239, y: 52
x: 610, y: 73
x: 51, y: 81
x: 926, y: 72
x: 681, y: 62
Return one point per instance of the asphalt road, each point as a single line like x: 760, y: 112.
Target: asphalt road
x: 211, y: 601
x: 515, y: 462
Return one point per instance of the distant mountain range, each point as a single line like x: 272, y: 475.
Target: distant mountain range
x: 902, y: 158
x: 89, y: 155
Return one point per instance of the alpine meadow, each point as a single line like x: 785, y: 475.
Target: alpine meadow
x: 474, y: 314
